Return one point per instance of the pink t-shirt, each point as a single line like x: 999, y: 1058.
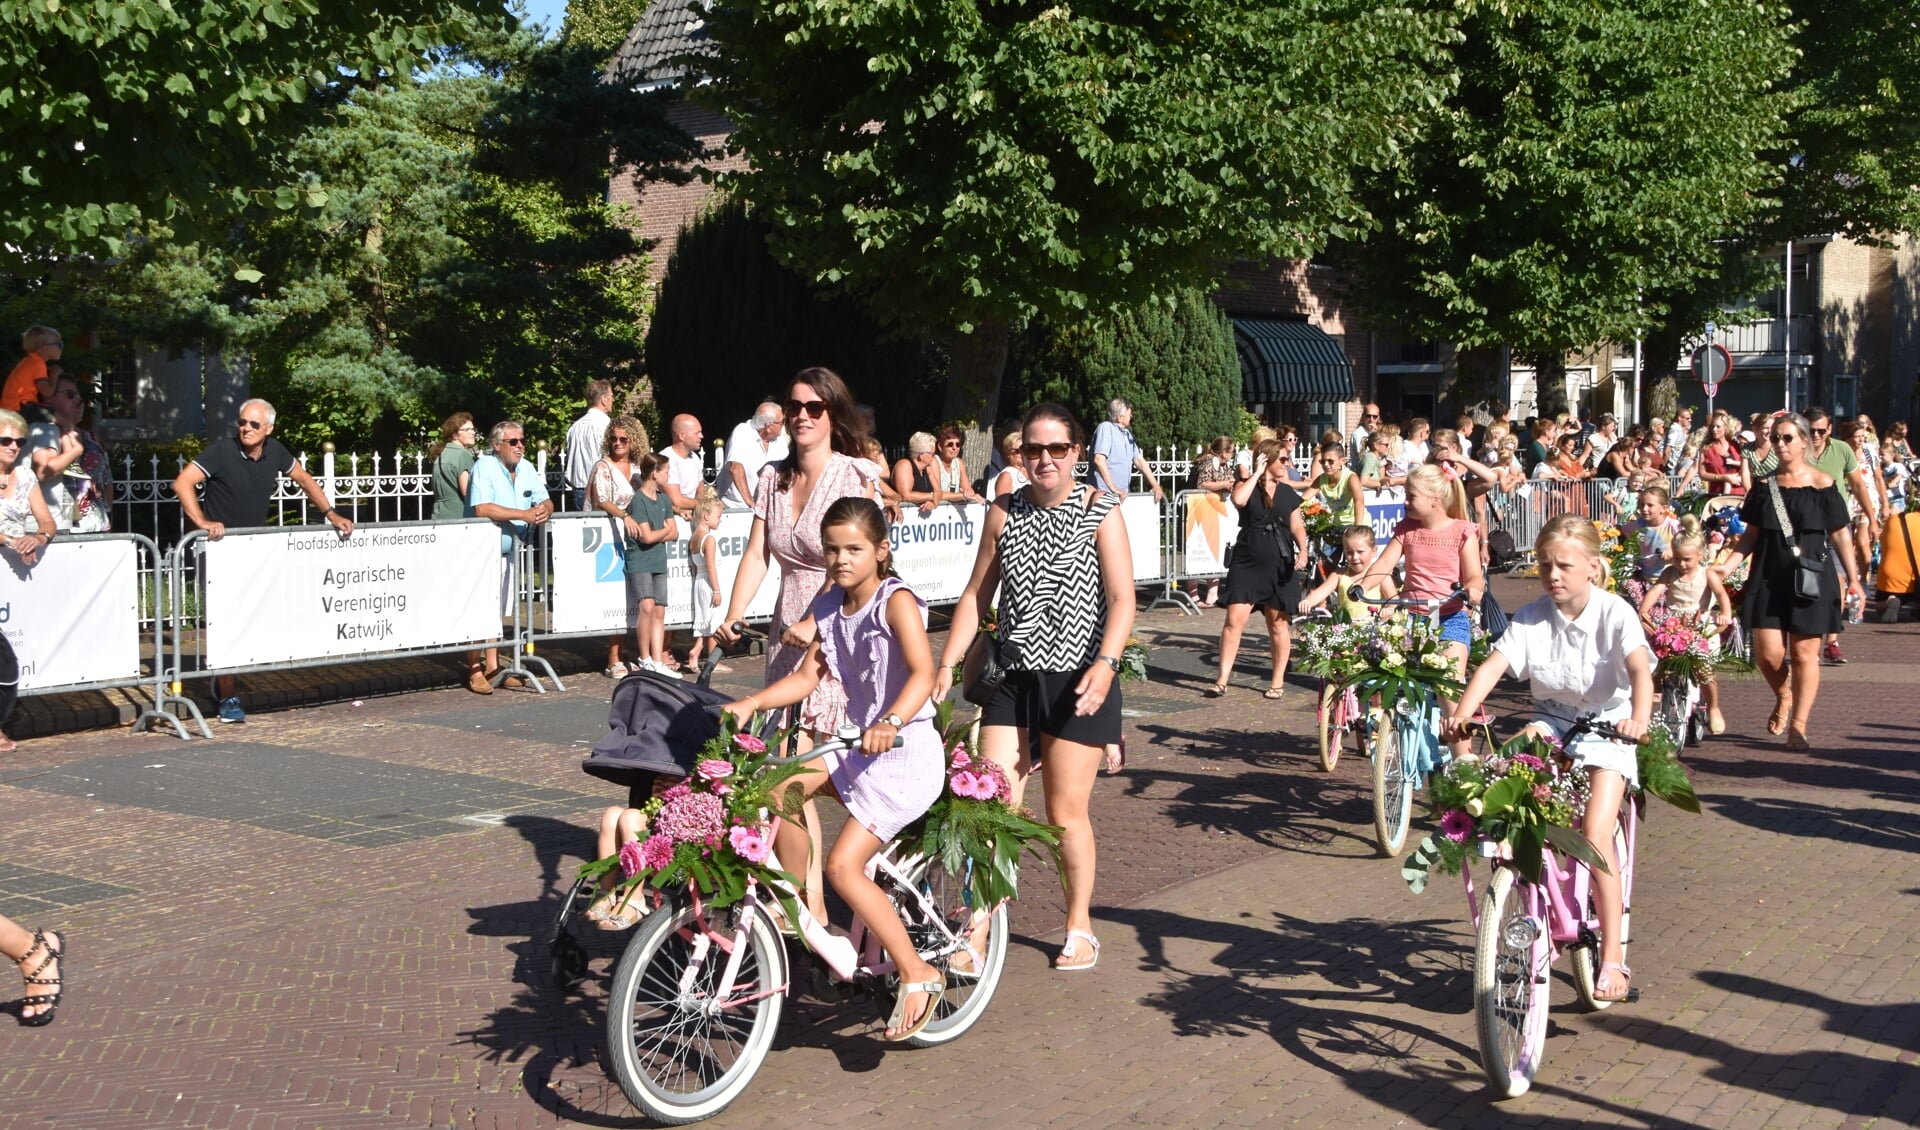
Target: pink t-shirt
x: 1432, y: 556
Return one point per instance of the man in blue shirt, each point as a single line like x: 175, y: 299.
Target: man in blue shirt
x: 1113, y: 455
x: 508, y: 490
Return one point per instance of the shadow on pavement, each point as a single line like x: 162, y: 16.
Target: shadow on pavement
x: 1890, y: 828
x: 1269, y: 789
x: 1402, y: 1061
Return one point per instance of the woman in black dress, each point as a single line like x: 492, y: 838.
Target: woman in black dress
x: 1268, y: 558
x: 1779, y: 620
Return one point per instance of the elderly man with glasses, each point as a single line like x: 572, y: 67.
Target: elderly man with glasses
x: 231, y: 483
x: 509, y: 491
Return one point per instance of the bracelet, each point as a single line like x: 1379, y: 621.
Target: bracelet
x: 327, y: 513
x: 755, y: 702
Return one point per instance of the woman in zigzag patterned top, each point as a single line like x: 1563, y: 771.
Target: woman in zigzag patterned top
x: 1057, y: 551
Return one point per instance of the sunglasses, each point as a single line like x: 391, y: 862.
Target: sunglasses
x: 9, y: 441
x: 1822, y: 431
x: 811, y: 409
x: 514, y: 441
x: 1053, y: 450
x: 619, y: 439
x: 252, y: 425
x: 1784, y: 438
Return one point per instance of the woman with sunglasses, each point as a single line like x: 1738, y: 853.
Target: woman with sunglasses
x: 1057, y: 552
x: 826, y: 462
x: 26, y: 525
x: 1780, y: 620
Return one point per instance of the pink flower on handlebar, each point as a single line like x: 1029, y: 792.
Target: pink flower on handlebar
x: 1456, y: 825
x: 713, y: 769
x: 973, y: 786
x: 749, y: 843
x: 749, y: 743
x: 631, y: 858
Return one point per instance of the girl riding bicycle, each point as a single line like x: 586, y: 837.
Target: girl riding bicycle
x: 1442, y: 552
x: 1584, y: 653
x: 1691, y: 591
x: 1357, y: 546
x: 872, y: 635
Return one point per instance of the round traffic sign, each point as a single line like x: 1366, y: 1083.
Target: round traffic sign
x: 1712, y: 364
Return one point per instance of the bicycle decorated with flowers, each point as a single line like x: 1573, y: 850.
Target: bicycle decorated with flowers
x: 1520, y: 808
x: 699, y: 991
x: 1401, y: 660
x: 1683, y: 652
x: 1330, y: 648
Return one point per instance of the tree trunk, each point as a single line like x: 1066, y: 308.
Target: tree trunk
x: 1475, y: 379
x: 1550, y: 383
x: 977, y: 362
x: 1659, y: 367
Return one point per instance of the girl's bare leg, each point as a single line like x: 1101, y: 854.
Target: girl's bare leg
x: 846, y: 869
x: 1603, y: 815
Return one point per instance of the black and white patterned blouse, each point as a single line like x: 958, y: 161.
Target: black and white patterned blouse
x: 1053, y: 603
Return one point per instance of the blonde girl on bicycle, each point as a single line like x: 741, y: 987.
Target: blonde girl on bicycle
x: 1583, y: 652
x: 1357, y: 545
x: 1442, y: 551
x: 872, y: 635
x: 1691, y: 591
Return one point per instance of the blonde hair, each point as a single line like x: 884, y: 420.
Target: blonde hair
x: 11, y: 419
x: 707, y: 501
x: 1358, y: 530
x: 1431, y: 481
x: 1569, y: 527
x: 38, y: 337
x: 1260, y: 435
x: 1691, y: 536
x: 1657, y: 491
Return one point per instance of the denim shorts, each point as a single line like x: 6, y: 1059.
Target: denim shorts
x: 1457, y: 628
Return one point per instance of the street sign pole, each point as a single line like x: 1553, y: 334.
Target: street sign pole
x: 1712, y: 386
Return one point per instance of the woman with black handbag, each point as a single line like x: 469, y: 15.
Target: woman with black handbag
x: 1265, y: 569
x: 1057, y: 551
x: 1798, y: 539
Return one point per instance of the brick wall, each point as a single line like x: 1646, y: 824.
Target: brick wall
x: 660, y: 210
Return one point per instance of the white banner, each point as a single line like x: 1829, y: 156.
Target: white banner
x: 275, y: 596
x: 1141, y: 514
x: 1212, y: 524
x: 935, y: 553
x: 74, y: 617
x: 590, y: 573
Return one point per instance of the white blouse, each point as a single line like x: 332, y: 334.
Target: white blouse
x: 1576, y: 666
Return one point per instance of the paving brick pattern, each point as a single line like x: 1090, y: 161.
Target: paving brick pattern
x: 1260, y: 964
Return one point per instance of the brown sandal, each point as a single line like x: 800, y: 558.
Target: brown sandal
x: 1777, y: 723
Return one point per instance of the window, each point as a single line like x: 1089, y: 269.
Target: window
x: 1846, y: 395
x: 119, y: 391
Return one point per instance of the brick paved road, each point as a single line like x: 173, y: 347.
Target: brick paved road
x: 302, y: 925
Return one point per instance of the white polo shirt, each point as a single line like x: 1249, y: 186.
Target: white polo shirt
x: 745, y: 447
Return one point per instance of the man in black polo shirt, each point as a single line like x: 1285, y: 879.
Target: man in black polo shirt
x: 230, y: 483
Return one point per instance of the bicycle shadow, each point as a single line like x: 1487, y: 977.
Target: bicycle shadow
x: 1407, y: 1063
x: 1263, y: 774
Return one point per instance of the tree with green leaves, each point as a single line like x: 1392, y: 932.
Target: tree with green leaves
x: 961, y: 166
x: 170, y: 110
x: 601, y: 24
x: 1174, y: 361
x: 1589, y: 156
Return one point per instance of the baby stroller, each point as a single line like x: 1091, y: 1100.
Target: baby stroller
x: 657, y: 725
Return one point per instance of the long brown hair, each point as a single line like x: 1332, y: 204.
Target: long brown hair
x: 849, y: 427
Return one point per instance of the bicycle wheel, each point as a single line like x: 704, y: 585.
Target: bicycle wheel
x: 1392, y: 792
x: 968, y: 992
x: 1510, y: 983
x: 679, y: 1055
x: 1672, y: 712
x: 1330, y: 735
x: 1586, y: 952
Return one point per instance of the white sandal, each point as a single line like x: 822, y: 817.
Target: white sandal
x: 935, y: 991
x: 1060, y: 963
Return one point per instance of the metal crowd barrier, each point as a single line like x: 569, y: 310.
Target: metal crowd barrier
x: 148, y: 618
x: 186, y: 653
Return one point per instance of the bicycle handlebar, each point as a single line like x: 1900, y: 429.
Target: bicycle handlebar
x: 845, y: 739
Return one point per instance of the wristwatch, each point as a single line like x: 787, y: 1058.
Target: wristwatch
x: 892, y: 719
x: 1111, y: 662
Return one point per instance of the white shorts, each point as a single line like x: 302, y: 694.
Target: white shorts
x: 1590, y: 751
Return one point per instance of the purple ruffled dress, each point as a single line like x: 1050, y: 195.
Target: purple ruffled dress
x: 887, y: 792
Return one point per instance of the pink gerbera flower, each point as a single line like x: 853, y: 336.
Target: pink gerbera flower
x: 1456, y: 825
x: 749, y: 843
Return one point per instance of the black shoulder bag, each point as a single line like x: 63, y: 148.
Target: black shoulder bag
x: 1807, y: 571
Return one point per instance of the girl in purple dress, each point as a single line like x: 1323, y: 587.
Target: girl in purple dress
x: 872, y: 636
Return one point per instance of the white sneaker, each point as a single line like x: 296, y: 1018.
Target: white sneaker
x: 1890, y: 610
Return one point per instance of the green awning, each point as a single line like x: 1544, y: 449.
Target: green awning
x: 1290, y: 361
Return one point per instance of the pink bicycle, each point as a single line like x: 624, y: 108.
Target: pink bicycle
x: 1521, y: 929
